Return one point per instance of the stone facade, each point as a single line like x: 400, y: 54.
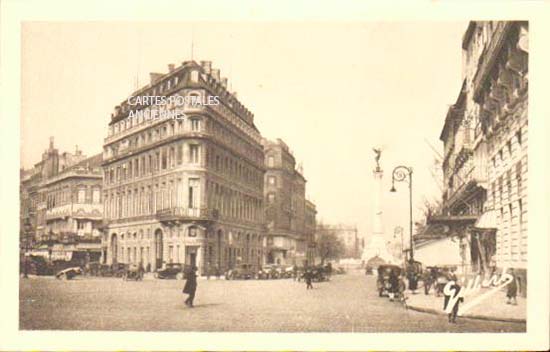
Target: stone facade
x: 61, y: 205
x: 485, y: 139
x: 289, y: 232
x: 187, y: 190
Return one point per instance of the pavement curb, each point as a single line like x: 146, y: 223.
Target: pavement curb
x: 470, y: 316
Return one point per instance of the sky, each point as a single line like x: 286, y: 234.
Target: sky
x: 331, y: 90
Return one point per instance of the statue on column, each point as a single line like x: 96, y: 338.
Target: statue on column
x: 378, y: 152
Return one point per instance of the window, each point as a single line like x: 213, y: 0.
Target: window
x: 96, y: 195
x: 192, y: 231
x: 270, y: 161
x: 195, y: 76
x: 193, y: 193
x: 195, y: 124
x: 80, y: 224
x: 194, y: 153
x: 81, y: 195
x: 271, y: 180
x: 518, y: 136
x: 509, y: 145
x: 271, y: 198
x: 518, y: 176
x: 163, y: 158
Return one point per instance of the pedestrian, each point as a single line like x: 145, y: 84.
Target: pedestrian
x: 427, y: 279
x: 413, y: 281
x: 402, y: 287
x: 512, y: 289
x: 295, y: 272
x: 459, y: 298
x: 308, y: 277
x: 190, y: 286
x: 218, y: 272
x: 441, y: 282
x: 394, y: 284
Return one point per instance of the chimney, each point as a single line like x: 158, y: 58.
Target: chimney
x: 51, y: 142
x: 171, y: 67
x: 216, y: 74
x: 155, y: 77
x: 206, y: 66
x: 234, y: 94
x: 224, y: 82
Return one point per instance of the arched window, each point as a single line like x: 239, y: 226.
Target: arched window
x: 192, y: 231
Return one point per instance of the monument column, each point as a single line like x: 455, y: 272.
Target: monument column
x: 376, y: 245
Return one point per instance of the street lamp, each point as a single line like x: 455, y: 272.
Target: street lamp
x: 400, y: 174
x: 399, y: 231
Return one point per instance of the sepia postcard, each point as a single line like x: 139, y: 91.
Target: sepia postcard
x: 274, y: 176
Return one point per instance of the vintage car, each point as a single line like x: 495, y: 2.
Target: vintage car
x: 262, y: 274
x: 38, y: 265
x: 69, y: 273
x: 241, y: 271
x: 171, y: 271
x: 93, y: 269
x: 383, y: 283
x: 134, y: 272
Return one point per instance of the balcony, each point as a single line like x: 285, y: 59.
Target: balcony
x: 76, y: 210
x: 489, y: 56
x: 176, y: 215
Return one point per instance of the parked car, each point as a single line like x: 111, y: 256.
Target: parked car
x: 134, y: 272
x: 69, y: 273
x: 171, y: 271
x: 262, y: 274
x: 38, y: 265
x: 271, y: 271
x: 93, y: 268
x: 241, y: 271
x: 383, y: 282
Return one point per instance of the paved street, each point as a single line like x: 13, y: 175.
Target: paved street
x: 348, y: 303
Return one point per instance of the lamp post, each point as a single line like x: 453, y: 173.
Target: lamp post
x: 400, y: 174
x: 399, y: 231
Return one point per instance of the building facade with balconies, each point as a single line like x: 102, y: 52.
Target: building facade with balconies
x: 501, y: 91
x: 485, y: 150
x: 61, y: 206
x: 289, y: 218
x: 184, y: 190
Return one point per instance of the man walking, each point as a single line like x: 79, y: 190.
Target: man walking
x: 512, y: 289
x: 190, y: 286
x: 452, y: 300
x: 308, y: 277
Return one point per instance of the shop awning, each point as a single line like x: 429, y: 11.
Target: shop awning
x: 487, y: 221
x: 444, y: 227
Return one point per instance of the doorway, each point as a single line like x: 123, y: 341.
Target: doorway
x: 158, y: 249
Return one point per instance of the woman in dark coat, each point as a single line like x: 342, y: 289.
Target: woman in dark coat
x: 190, y: 286
x: 393, y: 280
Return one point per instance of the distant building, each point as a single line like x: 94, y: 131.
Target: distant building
x: 348, y: 236
x: 186, y: 190
x: 310, y: 227
x: 61, y: 205
x: 289, y: 216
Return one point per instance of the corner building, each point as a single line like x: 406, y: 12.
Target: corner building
x: 290, y: 217
x: 186, y: 190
